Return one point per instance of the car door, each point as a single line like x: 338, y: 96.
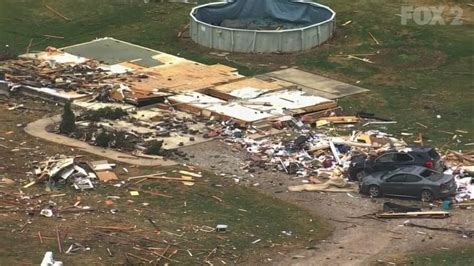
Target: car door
x: 384, y: 162
x: 413, y: 185
x: 394, y: 185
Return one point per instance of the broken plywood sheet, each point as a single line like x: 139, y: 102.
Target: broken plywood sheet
x: 43, y: 92
x: 315, y: 84
x: 106, y: 176
x: 196, y: 102
x: 289, y: 102
x: 187, y: 77
x: 99, y: 105
x: 56, y: 57
x: 247, y: 88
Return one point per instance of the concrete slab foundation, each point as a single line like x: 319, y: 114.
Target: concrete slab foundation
x: 315, y: 84
x: 112, y: 51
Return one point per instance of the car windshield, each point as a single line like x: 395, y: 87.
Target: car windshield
x: 388, y: 173
x: 434, y: 155
x: 431, y: 175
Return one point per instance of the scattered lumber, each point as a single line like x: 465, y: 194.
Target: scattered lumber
x: 139, y: 258
x: 145, y: 176
x: 57, y: 13
x: 29, y: 46
x: 172, y: 178
x: 366, y: 60
x: 183, y: 30
x: 52, y: 36
x: 373, y: 38
x: 114, y: 228
x: 429, y: 214
x: 340, y: 119
x: 152, y: 193
x: 346, y: 23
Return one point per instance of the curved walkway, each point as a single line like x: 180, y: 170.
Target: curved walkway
x: 38, y: 129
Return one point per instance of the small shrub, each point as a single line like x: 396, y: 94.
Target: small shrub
x: 123, y: 141
x: 154, y: 147
x: 103, y: 139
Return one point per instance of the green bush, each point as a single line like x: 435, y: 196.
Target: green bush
x: 104, y: 113
x: 123, y: 141
x: 154, y: 147
x: 103, y: 139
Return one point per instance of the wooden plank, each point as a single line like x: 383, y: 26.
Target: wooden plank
x: 430, y: 214
x: 57, y: 13
x: 340, y: 119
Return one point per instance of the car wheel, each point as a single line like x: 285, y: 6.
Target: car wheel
x: 374, y: 191
x: 427, y: 196
x: 360, y: 175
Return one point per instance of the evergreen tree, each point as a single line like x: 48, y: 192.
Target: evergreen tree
x: 68, y: 121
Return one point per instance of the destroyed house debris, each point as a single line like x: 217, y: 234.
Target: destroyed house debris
x: 62, y: 170
x: 148, y: 109
x: 179, y: 96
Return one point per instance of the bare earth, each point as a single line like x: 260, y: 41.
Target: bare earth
x: 355, y: 241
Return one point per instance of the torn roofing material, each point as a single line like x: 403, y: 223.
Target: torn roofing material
x: 207, y: 105
x: 290, y: 102
x: 247, y: 88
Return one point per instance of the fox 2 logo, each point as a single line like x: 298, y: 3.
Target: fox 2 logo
x: 431, y: 15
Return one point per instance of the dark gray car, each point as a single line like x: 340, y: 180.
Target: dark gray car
x: 410, y: 181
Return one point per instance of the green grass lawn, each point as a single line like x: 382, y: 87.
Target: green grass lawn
x: 255, y: 225
x: 458, y: 257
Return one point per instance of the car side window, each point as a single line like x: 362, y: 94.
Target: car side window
x: 403, y: 157
x: 412, y: 178
x: 386, y: 158
x: 397, y: 178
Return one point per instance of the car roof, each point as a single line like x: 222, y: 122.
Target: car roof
x: 409, y: 149
x: 412, y: 169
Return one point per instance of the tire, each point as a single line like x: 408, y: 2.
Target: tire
x: 374, y: 191
x: 426, y: 196
x: 360, y: 175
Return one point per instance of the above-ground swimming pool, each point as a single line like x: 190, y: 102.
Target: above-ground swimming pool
x: 262, y: 26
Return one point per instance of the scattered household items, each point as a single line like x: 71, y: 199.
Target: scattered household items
x: 409, y: 181
x: 221, y: 228
x: 388, y: 160
x: 104, y: 170
x: 81, y: 175
x: 334, y: 184
x: 49, y: 261
x: 187, y: 180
